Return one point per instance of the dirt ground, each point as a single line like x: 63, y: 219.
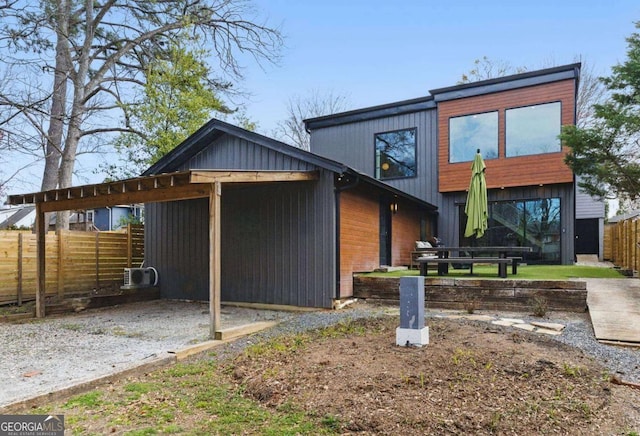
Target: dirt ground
x: 473, y: 378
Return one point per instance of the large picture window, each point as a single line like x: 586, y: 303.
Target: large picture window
x: 395, y: 154
x: 471, y: 132
x: 530, y: 223
x: 533, y: 129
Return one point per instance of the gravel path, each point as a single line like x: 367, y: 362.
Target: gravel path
x: 46, y: 355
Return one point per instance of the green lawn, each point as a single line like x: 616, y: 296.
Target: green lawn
x: 525, y: 272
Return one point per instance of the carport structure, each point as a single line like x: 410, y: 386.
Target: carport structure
x: 175, y: 186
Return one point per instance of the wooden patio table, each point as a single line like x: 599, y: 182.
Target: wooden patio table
x: 500, y: 252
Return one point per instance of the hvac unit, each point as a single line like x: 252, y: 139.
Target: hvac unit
x: 140, y: 277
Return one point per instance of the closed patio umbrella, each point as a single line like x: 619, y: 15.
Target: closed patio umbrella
x: 476, y: 208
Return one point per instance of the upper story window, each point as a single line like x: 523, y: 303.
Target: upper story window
x: 533, y: 129
x: 395, y: 154
x: 471, y: 132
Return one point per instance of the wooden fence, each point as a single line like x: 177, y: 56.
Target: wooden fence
x: 76, y: 262
x: 621, y: 244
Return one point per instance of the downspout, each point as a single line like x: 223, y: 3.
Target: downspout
x: 337, y: 191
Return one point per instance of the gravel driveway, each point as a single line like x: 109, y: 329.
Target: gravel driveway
x: 45, y: 355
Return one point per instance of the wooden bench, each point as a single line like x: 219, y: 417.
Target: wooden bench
x: 417, y: 254
x: 445, y: 261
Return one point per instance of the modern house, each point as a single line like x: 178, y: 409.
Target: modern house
x: 235, y: 216
x: 425, y: 147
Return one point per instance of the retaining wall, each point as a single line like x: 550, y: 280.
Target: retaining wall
x: 508, y: 295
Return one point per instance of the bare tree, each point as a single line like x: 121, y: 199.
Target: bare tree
x: 314, y: 104
x: 486, y: 68
x: 591, y: 90
x: 81, y: 61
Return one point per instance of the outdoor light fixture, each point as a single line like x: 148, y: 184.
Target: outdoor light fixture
x: 394, y: 207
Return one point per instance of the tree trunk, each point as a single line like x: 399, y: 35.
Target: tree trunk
x: 55, y: 132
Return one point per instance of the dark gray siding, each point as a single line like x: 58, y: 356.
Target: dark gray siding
x: 278, y: 240
x: 276, y: 245
x: 353, y: 145
x: 449, y: 219
x: 176, y: 244
x: 230, y: 152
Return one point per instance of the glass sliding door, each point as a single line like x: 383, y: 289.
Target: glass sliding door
x: 527, y: 223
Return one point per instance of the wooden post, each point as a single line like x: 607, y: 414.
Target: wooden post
x: 129, y: 246
x: 214, y: 258
x: 20, y: 248
x: 61, y: 263
x: 41, y: 234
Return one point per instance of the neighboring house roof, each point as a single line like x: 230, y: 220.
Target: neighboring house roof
x: 215, y: 129
x: 19, y: 216
x: 464, y: 90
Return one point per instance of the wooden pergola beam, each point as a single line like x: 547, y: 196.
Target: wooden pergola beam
x: 252, y: 176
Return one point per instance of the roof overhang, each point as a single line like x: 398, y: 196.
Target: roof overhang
x: 183, y: 185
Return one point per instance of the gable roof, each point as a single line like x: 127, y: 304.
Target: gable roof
x: 215, y: 129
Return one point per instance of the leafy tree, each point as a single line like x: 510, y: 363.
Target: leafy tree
x: 299, y: 108
x: 178, y: 99
x: 606, y: 153
x: 77, y: 62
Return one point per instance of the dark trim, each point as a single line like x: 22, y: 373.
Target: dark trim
x: 371, y: 113
x: 506, y: 83
x: 376, y: 171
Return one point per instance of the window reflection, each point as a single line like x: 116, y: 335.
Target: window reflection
x: 533, y: 129
x: 471, y: 132
x: 395, y: 154
x: 530, y: 223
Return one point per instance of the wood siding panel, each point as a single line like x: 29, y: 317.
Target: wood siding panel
x: 359, y: 237
x: 405, y: 227
x: 514, y: 171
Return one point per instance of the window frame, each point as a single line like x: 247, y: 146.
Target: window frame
x: 506, y: 127
x: 497, y: 144
x: 377, y: 174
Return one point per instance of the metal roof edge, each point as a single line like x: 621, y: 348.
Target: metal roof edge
x: 505, y: 83
x: 371, y: 113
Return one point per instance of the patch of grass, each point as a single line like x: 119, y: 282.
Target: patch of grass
x: 571, y: 370
x: 90, y: 399
x: 525, y: 272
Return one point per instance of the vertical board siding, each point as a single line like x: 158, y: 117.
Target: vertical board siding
x: 353, y: 145
x: 272, y: 246
x: 359, y: 237
x: 178, y: 247
x: 286, y: 252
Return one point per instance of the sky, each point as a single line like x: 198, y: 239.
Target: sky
x: 377, y: 52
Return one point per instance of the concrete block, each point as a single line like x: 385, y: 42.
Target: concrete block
x: 412, y: 337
